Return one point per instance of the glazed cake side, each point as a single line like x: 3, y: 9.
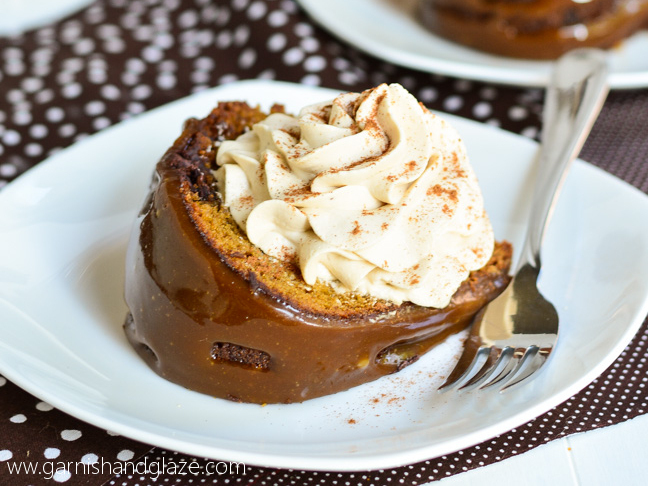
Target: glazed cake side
x: 213, y: 313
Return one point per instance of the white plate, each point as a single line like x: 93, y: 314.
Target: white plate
x: 387, y: 29
x: 17, y: 16
x: 63, y: 233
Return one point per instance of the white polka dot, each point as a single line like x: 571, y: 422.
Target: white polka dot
x: 136, y: 65
x: 70, y: 434
x: 22, y: 118
x: 18, y: 418
x: 110, y: 92
x: 267, y: 74
x: 12, y: 53
x: 168, y: 65
x: 101, y: 123
x: 94, y: 108
x: 16, y: 68
x: 257, y: 10
x: 224, y: 39
x: 453, y: 103
x: 114, y: 46
x: 5, y: 455
x: 311, y: 80
x: 277, y: 18
x: 517, y: 113
x: 15, y: 96
x: 428, y: 94
x: 38, y: 131
x: 125, y: 455
x: 141, y: 92
x: 83, y: 47
x: 531, y: 132
x: 200, y: 77
x: 61, y: 475
x: 107, y: 31
x: 463, y: 85
x: 33, y: 149
x: 276, y: 42
x: 135, y: 108
x: 241, y: 35
x: 289, y: 6
x: 348, y: 77
x: 204, y: 63
x: 72, y: 64
x: 482, y: 109
x: 223, y: 16
x: 228, y: 78
x: 152, y: 54
x: 293, y: 56
x: 54, y: 114
x: 44, y: 96
x: 90, y: 458
x: 247, y: 58
x: 240, y: 4
x: 31, y: 85
x: 67, y: 130
x: 309, y: 44
x: 44, y: 407
x: 488, y: 93
x: 111, y: 433
x: 11, y: 137
x: 3, y: 381
x: 72, y: 90
x: 188, y: 19
x: 166, y: 80
x: 97, y: 76
x: 51, y: 453
x: 314, y: 63
x: 341, y: 64
x: 302, y: 29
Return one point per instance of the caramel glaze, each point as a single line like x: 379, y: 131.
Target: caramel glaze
x: 534, y: 29
x: 200, y: 323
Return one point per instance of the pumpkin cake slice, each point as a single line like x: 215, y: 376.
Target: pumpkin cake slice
x: 276, y: 320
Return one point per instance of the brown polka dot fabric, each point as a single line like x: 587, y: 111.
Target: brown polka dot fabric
x: 118, y: 58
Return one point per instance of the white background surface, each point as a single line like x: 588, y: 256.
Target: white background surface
x: 615, y: 455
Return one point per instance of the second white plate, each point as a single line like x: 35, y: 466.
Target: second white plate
x: 387, y: 29
x: 64, y: 227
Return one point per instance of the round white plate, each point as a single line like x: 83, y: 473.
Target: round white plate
x: 64, y: 227
x: 17, y: 16
x: 388, y: 30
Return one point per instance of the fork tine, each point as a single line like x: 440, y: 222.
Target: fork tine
x: 525, y: 358
x: 473, y: 351
x: 511, y: 366
x: 465, y: 367
x: 499, y: 362
x: 534, y: 364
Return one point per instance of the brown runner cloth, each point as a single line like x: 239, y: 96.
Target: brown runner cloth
x: 118, y: 58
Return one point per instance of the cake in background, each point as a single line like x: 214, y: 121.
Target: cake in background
x: 534, y: 29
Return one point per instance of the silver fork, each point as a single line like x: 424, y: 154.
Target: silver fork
x: 512, y: 337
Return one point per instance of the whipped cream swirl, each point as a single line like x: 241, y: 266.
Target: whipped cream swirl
x: 370, y: 192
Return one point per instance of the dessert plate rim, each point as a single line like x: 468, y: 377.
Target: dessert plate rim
x: 414, y: 47
x: 61, y: 307
x: 25, y: 15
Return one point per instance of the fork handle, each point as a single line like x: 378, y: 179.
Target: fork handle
x: 575, y: 96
